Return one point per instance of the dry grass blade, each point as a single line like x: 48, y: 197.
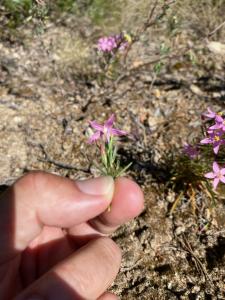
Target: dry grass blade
x: 216, y: 29
x: 174, y: 206
x: 198, y: 264
x: 192, y: 198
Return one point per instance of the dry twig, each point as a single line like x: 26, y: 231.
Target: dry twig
x: 148, y: 23
x: 61, y: 164
x: 198, y: 264
x: 216, y: 29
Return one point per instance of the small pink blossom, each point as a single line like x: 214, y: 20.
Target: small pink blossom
x: 123, y: 46
x: 191, y: 151
x: 217, y: 175
x: 210, y: 114
x: 220, y: 124
x: 122, y: 43
x: 106, y: 130
x: 107, y: 44
x: 215, y: 138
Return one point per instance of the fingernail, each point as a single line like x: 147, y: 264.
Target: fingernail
x: 97, y: 186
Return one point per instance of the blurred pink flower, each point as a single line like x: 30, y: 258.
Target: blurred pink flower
x: 217, y: 175
x: 191, y: 151
x: 106, y: 130
x: 215, y: 138
x: 107, y: 44
x: 210, y: 114
x: 220, y: 124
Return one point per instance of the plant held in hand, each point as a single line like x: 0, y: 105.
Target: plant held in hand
x: 105, y: 138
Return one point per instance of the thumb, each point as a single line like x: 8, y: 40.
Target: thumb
x: 41, y: 199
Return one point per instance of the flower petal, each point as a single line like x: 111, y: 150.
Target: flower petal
x: 216, y: 126
x: 216, y: 148
x: 219, y: 119
x: 110, y: 121
x: 222, y: 171
x: 222, y: 179
x: 216, y: 167
x: 94, y: 137
x: 210, y: 175
x: 118, y: 132
x: 210, y: 114
x: 206, y: 141
x: 96, y: 126
x: 215, y: 182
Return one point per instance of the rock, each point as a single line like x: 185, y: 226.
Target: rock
x: 217, y: 48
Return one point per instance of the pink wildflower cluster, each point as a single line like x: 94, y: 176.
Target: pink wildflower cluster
x: 216, y: 131
x: 215, y: 136
x: 109, y: 44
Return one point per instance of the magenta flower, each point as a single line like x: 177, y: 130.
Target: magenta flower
x: 191, y: 151
x: 106, y: 130
x: 215, y: 138
x: 122, y: 43
x: 220, y: 124
x: 217, y: 175
x: 211, y: 114
x: 107, y: 44
x: 123, y: 46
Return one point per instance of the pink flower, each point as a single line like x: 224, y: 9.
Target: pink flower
x: 107, y: 44
x: 220, y: 124
x: 190, y: 151
x: 106, y: 130
x: 215, y: 138
x: 217, y: 175
x: 123, y: 46
x: 211, y: 114
x: 122, y: 43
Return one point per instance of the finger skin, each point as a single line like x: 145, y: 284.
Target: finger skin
x: 45, y: 251
x: 108, y: 296
x: 84, y: 275
x: 80, y: 234
x: 41, y: 199
x: 128, y: 202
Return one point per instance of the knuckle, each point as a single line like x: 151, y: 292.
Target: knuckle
x: 37, y: 180
x: 111, y: 251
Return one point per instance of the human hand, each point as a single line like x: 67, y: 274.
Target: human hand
x: 51, y: 236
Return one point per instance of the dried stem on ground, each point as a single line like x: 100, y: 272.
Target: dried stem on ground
x: 61, y: 164
x: 148, y: 23
x: 216, y: 29
x: 198, y: 264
